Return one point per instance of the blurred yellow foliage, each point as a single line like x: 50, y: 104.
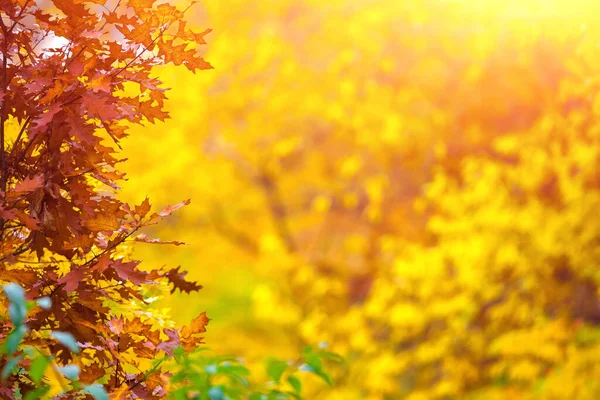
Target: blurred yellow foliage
x: 415, y: 183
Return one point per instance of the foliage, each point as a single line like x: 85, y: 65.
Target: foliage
x: 36, y: 361
x: 226, y: 378
x: 192, y: 374
x: 413, y: 182
x: 75, y: 75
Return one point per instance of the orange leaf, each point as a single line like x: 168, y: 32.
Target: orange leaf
x: 169, y: 209
x: 103, y: 223
x: 198, y: 326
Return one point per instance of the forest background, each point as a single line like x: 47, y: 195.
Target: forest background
x: 414, y: 184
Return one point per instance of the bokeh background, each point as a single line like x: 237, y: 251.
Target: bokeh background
x: 414, y: 183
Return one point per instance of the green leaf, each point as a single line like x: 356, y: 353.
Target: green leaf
x: 316, y: 369
x: 216, y: 393
x: 295, y: 383
x: 314, y: 361
x: 70, y: 371
x: 17, y: 312
x: 258, y: 396
x: 275, y: 368
x: 44, y: 302
x: 9, y: 367
x: 97, y: 391
x: 38, y: 368
x: 178, y: 351
x: 15, y: 293
x: 332, y: 356
x: 323, y: 375
x: 14, y: 339
x: 211, y: 369
x: 30, y: 352
x: 66, y: 339
x: 233, y: 369
x: 179, y: 394
x: 294, y: 395
x: 236, y: 373
x: 38, y: 393
x: 306, y: 368
x: 307, y: 350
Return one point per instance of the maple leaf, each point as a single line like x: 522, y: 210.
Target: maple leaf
x: 29, y: 184
x: 100, y: 83
x: 103, y: 222
x: 46, y: 117
x: 198, y: 62
x: 177, y: 54
x: 177, y: 278
x: 85, y: 132
x: 52, y: 93
x: 166, y: 12
x: 188, y: 34
x: 89, y: 1
x: 116, y: 131
x: 71, y: 8
x: 197, y: 326
x: 127, y: 271
x: 116, y: 325
x: 153, y: 112
x: 93, y: 372
x: 189, y: 334
x: 168, y: 210
x: 145, y: 239
x: 120, y: 393
x: 30, y: 222
x: 25, y: 277
x: 72, y: 279
x: 173, y: 341
x: 139, y: 33
x: 102, y: 263
x: 136, y: 326
x: 100, y: 105
x: 143, y: 209
x: 140, y: 5
x: 7, y: 214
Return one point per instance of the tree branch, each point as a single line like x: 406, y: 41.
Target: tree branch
x: 278, y: 211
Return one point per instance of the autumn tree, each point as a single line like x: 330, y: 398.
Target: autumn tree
x: 74, y: 76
